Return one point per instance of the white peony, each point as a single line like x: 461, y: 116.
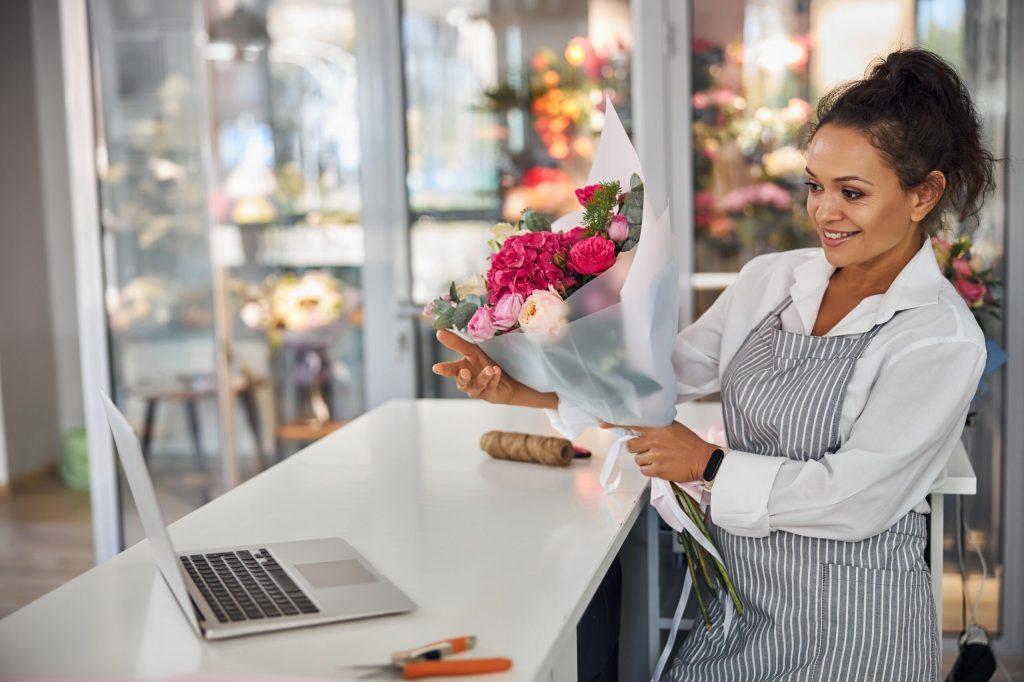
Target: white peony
x: 543, y: 312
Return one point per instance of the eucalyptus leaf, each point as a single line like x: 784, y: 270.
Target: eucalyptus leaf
x: 463, y: 314
x: 453, y: 291
x: 635, y: 183
x: 635, y: 214
x: 444, y: 318
x: 534, y: 222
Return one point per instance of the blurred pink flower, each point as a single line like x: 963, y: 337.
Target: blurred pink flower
x: 762, y: 193
x: 700, y: 100
x: 972, y: 292
x: 962, y: 266
x: 428, y: 310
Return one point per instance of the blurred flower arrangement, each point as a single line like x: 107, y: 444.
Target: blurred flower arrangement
x: 143, y: 303
x: 748, y: 168
x: 970, y: 273
x: 304, y: 313
x: 565, y: 103
x: 291, y: 307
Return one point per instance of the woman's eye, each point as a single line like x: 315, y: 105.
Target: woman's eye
x: 813, y: 186
x: 852, y: 194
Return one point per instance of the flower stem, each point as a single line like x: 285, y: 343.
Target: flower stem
x: 692, y: 563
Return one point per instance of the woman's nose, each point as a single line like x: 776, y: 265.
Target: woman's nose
x: 826, y: 209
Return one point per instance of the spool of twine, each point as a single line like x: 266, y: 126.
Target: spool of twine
x: 526, y: 447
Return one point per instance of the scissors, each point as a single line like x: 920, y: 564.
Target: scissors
x: 427, y: 661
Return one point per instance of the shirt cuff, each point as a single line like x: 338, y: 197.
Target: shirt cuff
x: 569, y: 420
x: 739, y: 497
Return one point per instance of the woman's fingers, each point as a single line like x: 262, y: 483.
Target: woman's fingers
x: 454, y: 342
x: 449, y: 369
x: 638, y: 444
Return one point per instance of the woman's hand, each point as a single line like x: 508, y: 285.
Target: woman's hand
x: 477, y: 376
x: 673, y: 452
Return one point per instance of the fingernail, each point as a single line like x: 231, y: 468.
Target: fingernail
x: 488, y: 371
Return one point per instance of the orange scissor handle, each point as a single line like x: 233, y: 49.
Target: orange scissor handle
x: 470, y: 666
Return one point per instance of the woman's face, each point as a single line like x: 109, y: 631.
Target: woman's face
x: 861, y: 213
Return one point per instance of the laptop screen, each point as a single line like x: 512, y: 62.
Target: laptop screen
x: 153, y: 523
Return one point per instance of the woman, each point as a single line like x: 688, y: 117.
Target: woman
x: 845, y: 374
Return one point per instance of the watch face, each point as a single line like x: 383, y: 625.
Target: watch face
x: 716, y: 461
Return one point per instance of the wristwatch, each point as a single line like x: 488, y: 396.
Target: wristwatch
x: 711, y: 470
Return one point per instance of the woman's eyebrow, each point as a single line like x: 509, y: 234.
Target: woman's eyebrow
x: 844, y: 178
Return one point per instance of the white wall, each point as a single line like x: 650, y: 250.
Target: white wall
x: 30, y: 409
x: 49, y: 74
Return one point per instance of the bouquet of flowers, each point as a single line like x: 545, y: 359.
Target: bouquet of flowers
x: 587, y: 307
x: 969, y: 273
x: 295, y: 306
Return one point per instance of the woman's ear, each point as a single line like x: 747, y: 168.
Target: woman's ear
x: 927, y: 195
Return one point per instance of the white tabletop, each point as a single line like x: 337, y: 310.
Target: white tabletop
x: 507, y: 551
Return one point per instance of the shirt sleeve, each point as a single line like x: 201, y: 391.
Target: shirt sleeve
x: 698, y: 349
x: 898, y: 448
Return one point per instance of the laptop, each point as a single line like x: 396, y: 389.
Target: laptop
x: 245, y: 590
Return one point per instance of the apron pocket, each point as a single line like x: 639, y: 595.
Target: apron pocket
x: 876, y: 624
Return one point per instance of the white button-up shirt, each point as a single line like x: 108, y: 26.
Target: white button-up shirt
x: 902, y: 413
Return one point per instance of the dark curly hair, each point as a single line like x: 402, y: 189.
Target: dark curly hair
x: 917, y: 112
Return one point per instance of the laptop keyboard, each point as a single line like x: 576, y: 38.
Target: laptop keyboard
x: 246, y: 586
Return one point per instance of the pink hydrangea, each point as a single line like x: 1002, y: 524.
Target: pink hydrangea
x: 526, y: 263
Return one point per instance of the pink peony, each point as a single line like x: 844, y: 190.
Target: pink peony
x: 619, y: 229
x: 592, y: 256
x: 585, y: 194
x: 525, y: 263
x: 972, y: 292
x: 506, y: 312
x: 962, y: 266
x: 481, y: 327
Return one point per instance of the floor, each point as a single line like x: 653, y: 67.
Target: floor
x: 46, y: 540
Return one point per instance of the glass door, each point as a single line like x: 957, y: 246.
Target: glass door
x: 228, y: 163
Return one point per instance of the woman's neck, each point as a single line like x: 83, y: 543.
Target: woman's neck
x: 876, y: 275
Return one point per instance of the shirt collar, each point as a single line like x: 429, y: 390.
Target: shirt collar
x: 918, y: 284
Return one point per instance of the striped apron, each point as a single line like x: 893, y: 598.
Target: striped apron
x: 816, y: 609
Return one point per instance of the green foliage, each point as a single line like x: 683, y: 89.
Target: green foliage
x: 463, y: 314
x: 534, y: 222
x: 598, y: 211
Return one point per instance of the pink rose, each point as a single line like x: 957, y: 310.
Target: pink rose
x: 585, y: 194
x: 481, y: 327
x: 525, y: 263
x: 506, y: 312
x: 972, y: 292
x: 572, y: 236
x: 592, y: 256
x: 619, y: 229
x: 962, y: 266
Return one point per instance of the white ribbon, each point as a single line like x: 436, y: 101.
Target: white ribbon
x: 611, y: 470
x: 664, y: 500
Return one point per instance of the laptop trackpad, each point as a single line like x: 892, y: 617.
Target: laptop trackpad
x: 336, y: 573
